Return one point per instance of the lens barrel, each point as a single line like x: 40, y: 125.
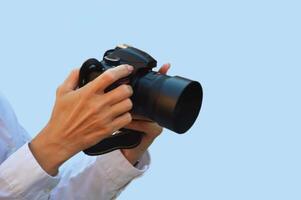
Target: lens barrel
x: 173, y: 102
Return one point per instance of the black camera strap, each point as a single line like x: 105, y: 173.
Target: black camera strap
x: 124, y: 139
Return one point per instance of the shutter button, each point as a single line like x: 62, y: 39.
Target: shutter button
x: 112, y: 61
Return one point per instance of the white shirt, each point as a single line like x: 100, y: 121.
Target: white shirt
x: 82, y: 177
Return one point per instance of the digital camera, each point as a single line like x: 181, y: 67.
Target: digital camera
x: 173, y: 102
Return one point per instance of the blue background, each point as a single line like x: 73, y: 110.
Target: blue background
x: 246, y: 142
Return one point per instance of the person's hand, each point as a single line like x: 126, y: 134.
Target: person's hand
x: 151, y: 131
x: 82, y: 117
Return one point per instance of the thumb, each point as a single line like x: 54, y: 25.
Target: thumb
x: 71, y: 82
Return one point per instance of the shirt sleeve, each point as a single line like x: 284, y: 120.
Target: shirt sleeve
x: 22, y: 178
x: 102, y: 177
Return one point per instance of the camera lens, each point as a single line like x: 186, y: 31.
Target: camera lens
x: 173, y: 102
x: 188, y: 106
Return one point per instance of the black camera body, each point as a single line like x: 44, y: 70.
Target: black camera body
x: 172, y: 102
x: 122, y: 54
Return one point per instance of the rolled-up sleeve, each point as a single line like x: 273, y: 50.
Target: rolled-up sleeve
x: 82, y: 177
x: 102, y: 177
x: 21, y: 177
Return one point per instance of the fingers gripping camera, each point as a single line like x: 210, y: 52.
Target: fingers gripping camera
x: 172, y: 102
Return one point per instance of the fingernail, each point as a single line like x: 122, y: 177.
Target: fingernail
x: 130, y: 88
x: 130, y: 68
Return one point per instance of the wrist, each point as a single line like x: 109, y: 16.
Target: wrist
x: 133, y: 155
x: 47, y: 152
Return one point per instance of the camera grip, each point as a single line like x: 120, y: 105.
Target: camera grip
x: 125, y: 139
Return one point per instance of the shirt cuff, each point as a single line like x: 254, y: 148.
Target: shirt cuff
x: 24, y: 176
x: 119, y: 170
